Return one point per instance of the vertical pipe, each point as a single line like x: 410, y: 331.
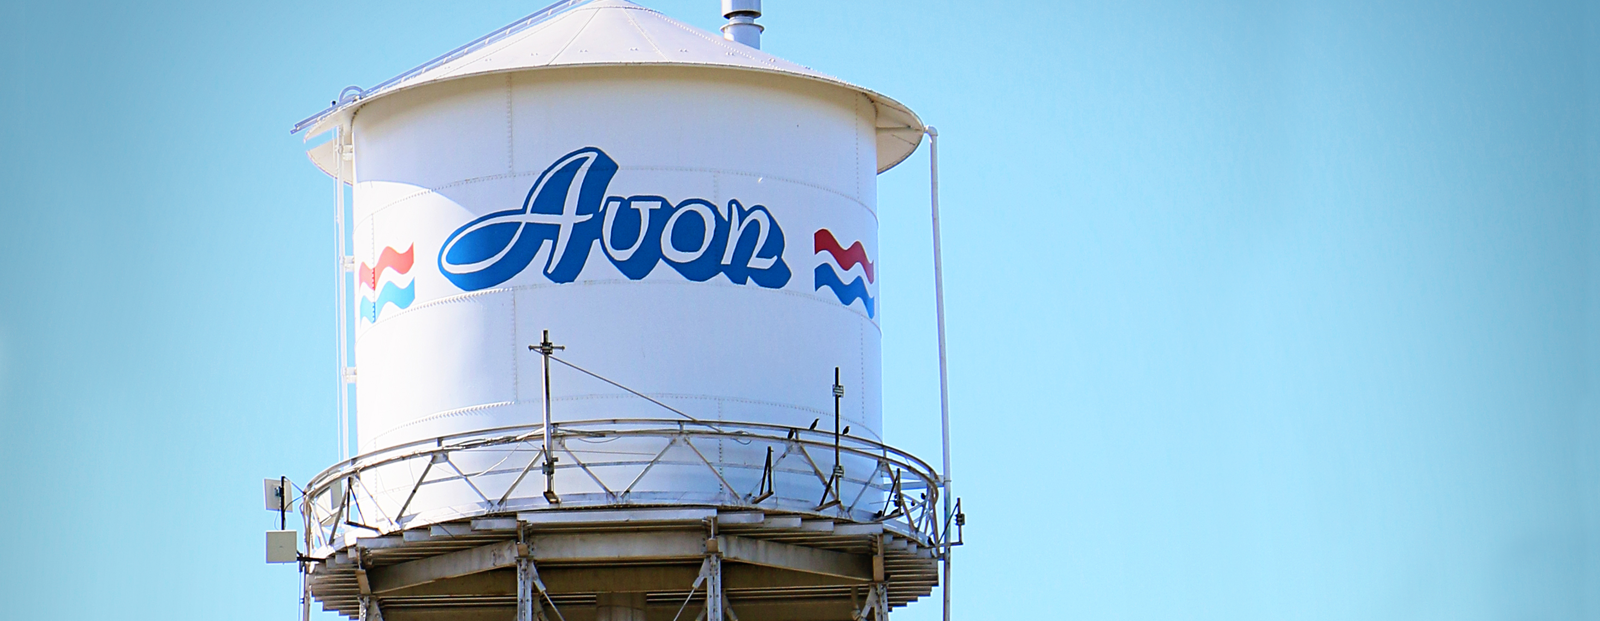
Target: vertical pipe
x: 305, y: 570
x: 338, y: 290
x: 341, y: 295
x: 944, y: 376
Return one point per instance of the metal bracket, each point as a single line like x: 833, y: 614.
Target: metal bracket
x: 765, y: 490
x: 545, y: 349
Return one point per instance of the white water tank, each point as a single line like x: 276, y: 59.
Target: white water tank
x: 691, y: 217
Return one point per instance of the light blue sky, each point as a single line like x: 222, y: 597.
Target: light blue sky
x: 1258, y: 311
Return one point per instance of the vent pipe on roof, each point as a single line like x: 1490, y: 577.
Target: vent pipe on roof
x: 742, y: 26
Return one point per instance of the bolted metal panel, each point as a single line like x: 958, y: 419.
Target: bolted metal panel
x: 722, y: 274
x: 604, y: 263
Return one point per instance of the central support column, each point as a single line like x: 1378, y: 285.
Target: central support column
x: 620, y: 607
x: 714, y: 596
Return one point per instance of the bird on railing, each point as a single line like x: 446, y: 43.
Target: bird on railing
x: 814, y: 424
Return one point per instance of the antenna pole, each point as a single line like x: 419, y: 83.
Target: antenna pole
x: 305, y: 567
x: 545, y: 349
x: 944, y: 376
x: 838, y: 467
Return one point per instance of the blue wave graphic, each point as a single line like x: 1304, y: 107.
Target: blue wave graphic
x: 856, y: 290
x: 400, y: 297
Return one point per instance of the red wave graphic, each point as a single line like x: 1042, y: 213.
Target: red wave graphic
x: 400, y: 262
x: 846, y: 258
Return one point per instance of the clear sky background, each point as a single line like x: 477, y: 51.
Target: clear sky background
x: 1257, y: 311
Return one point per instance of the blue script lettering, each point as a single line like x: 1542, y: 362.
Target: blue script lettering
x: 565, y: 211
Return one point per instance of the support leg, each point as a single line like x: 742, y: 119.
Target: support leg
x: 369, y: 609
x: 531, y: 594
x: 529, y: 608
x: 714, y: 588
x: 877, y: 605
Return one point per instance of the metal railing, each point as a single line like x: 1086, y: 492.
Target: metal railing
x: 879, y: 483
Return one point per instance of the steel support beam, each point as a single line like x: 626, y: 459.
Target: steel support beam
x: 612, y: 547
x: 766, y: 610
x: 653, y: 578
x: 452, y: 565
x: 797, y: 558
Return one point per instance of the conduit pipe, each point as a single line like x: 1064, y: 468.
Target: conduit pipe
x: 944, y: 375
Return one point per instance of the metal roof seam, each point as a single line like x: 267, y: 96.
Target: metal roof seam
x: 575, y: 35
x: 635, y: 23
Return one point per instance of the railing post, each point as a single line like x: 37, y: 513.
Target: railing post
x: 546, y: 348
x: 305, y: 567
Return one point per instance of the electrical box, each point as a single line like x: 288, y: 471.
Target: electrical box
x: 283, y: 546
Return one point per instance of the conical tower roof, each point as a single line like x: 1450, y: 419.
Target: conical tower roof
x: 599, y: 33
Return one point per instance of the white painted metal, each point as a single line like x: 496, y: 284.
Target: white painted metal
x: 673, y: 447
x: 695, y: 222
x: 730, y: 7
x: 742, y: 27
x: 582, y: 127
x: 343, y: 266
x: 454, y: 358
x: 600, y: 33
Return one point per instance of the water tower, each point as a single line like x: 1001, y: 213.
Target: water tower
x: 609, y: 319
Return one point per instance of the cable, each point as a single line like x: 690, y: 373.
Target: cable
x: 696, y: 587
x: 635, y: 392
x: 496, y: 464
